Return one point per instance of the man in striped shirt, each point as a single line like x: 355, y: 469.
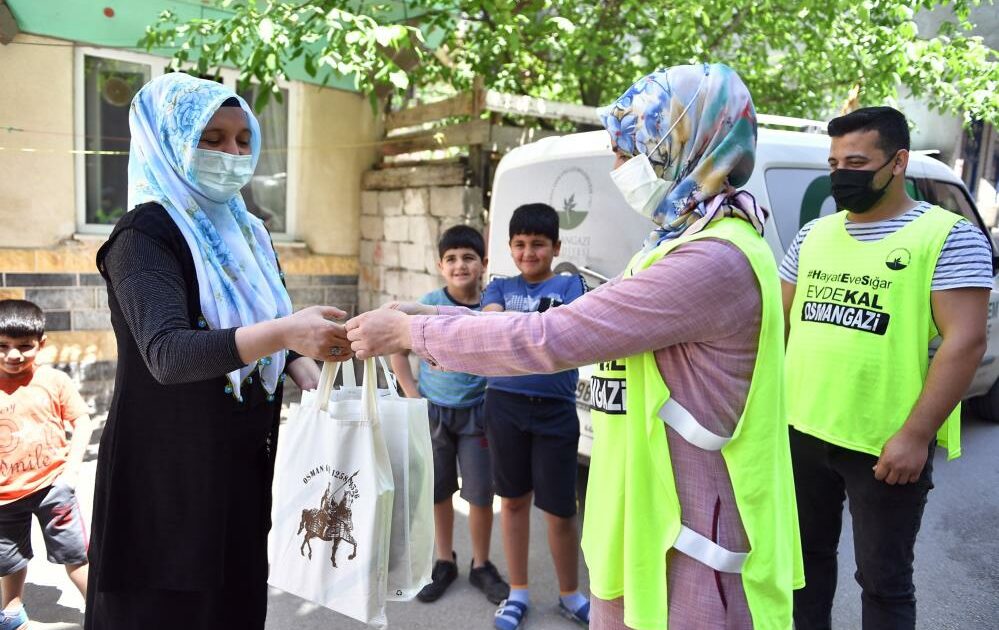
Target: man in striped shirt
x: 865, y: 290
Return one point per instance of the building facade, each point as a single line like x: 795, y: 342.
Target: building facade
x: 68, y: 75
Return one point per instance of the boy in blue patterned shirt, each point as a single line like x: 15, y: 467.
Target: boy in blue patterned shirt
x: 455, y: 402
x: 532, y: 425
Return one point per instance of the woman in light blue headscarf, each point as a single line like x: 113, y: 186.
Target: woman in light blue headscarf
x: 205, y: 336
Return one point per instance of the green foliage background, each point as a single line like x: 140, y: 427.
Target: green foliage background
x: 798, y: 57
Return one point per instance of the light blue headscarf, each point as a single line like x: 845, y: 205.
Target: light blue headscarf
x: 232, y: 251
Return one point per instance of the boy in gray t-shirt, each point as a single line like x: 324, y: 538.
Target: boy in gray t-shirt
x: 455, y: 402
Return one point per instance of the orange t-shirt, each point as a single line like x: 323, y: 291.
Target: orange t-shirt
x: 35, y: 411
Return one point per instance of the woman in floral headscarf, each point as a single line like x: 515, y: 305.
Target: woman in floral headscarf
x: 690, y: 517
x: 203, y: 320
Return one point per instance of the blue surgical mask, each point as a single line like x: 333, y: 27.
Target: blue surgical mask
x: 219, y: 176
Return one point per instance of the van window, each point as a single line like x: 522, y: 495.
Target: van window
x: 798, y: 195
x: 950, y: 197
x: 953, y: 197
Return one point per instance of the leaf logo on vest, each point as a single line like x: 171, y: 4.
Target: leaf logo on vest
x: 898, y: 259
x: 333, y: 519
x: 609, y: 395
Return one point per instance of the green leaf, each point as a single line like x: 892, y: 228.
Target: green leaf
x: 266, y: 30
x: 399, y: 79
x: 260, y: 102
x: 797, y: 57
x: 388, y: 35
x: 564, y: 24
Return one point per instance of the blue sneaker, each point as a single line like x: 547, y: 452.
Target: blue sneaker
x: 510, y: 615
x: 13, y: 621
x: 581, y: 615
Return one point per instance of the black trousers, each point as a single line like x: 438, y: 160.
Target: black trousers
x: 886, y: 520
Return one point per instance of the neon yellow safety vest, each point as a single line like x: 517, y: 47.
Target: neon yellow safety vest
x: 632, y: 509
x: 861, y: 325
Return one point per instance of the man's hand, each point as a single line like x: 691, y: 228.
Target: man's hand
x: 961, y: 316
x: 379, y: 332
x: 902, y: 458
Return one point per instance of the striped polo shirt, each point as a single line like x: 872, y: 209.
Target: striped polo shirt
x: 965, y: 260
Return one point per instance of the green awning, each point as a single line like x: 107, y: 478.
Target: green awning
x: 120, y: 24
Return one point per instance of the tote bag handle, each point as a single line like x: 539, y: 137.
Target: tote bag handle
x: 330, y: 369
x: 369, y: 387
x: 349, y: 380
x: 390, y: 380
x: 326, y: 378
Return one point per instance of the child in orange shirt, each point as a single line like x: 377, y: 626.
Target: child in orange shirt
x: 38, y: 467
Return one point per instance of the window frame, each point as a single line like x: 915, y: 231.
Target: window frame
x: 158, y: 66
x: 975, y: 219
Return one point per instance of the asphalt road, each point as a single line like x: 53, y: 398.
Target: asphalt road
x: 957, y: 565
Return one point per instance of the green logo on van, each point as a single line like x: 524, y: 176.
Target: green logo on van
x: 571, y: 196
x: 569, y: 215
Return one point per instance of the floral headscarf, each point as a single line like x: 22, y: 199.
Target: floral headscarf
x: 235, y: 261
x: 709, y: 152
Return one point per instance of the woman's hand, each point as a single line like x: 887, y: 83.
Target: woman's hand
x: 310, y: 333
x: 304, y: 372
x: 379, y: 332
x: 411, y: 308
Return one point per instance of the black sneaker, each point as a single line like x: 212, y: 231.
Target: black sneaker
x: 443, y: 574
x: 487, y: 579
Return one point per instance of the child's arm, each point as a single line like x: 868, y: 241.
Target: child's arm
x: 83, y: 428
x: 492, y: 297
x: 404, y: 374
x: 304, y: 372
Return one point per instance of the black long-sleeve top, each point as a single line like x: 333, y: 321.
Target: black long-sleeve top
x: 182, y: 496
x: 150, y: 288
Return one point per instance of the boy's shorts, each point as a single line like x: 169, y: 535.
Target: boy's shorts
x: 58, y: 513
x: 534, y: 442
x: 459, y: 441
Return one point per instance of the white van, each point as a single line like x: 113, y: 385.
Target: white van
x: 600, y: 232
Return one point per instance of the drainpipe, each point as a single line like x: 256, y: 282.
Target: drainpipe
x: 8, y: 25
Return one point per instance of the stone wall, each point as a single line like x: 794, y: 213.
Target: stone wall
x: 403, y: 213
x: 63, y: 281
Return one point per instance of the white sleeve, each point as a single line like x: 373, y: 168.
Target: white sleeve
x: 788, y: 269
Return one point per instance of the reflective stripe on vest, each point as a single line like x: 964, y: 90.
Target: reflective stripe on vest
x: 689, y: 542
x: 707, y: 551
x: 684, y: 423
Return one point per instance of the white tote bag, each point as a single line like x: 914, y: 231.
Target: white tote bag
x: 333, y: 497
x: 407, y: 435
x: 406, y: 426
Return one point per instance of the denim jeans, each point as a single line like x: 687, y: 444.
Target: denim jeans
x: 886, y: 520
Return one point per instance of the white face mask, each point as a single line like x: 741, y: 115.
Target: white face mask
x: 638, y: 183
x: 636, y: 179
x: 219, y: 176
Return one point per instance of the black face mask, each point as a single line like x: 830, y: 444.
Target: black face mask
x: 851, y: 188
